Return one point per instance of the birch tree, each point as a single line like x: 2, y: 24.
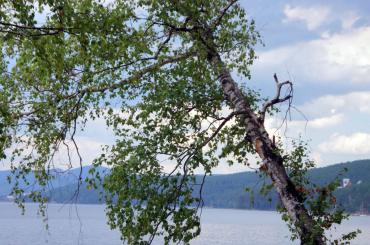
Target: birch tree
x: 170, y: 78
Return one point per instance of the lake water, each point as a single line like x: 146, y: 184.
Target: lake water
x: 88, y: 227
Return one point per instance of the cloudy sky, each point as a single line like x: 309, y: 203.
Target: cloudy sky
x: 323, y: 47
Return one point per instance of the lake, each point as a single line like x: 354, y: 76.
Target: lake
x: 86, y: 224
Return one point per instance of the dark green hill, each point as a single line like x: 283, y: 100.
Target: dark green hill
x: 356, y: 170
x: 61, y: 178
x: 229, y: 191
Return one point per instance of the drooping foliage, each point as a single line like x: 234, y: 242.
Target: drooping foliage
x: 144, y: 67
x: 68, y: 62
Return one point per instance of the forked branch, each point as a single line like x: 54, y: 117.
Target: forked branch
x: 277, y: 99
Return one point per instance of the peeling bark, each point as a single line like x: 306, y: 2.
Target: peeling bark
x: 271, y: 160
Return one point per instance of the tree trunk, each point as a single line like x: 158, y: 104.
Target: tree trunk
x: 271, y: 160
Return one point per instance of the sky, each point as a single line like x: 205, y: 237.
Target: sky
x: 323, y: 47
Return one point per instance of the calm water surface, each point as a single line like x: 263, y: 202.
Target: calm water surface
x: 88, y: 226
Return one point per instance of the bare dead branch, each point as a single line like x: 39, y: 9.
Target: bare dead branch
x: 277, y: 99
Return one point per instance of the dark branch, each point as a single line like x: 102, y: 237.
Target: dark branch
x: 222, y: 13
x: 277, y: 99
x: 33, y: 31
x: 111, y: 87
x: 225, y: 120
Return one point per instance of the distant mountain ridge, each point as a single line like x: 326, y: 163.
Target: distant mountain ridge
x: 229, y: 190
x: 62, y: 178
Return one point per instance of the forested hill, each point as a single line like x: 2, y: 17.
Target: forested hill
x: 229, y: 191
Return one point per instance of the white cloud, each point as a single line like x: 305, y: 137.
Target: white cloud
x: 89, y: 149
x: 275, y: 126
x: 336, y: 129
x: 356, y: 144
x: 349, y: 48
x: 313, y: 17
x: 316, y: 156
x: 343, y: 57
x: 317, y: 16
x: 324, y: 122
x: 354, y: 102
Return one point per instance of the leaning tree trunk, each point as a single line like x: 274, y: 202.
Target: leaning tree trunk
x: 271, y: 160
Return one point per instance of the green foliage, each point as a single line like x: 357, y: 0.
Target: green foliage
x: 135, y: 64
x: 144, y: 67
x: 319, y: 199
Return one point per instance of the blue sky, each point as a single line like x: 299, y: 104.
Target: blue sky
x: 323, y: 47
